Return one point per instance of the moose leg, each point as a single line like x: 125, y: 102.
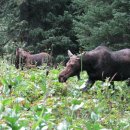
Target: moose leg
x: 78, y: 76
x: 22, y: 67
x: 88, y: 85
x: 47, y: 70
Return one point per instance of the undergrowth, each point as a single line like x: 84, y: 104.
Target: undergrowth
x: 31, y: 101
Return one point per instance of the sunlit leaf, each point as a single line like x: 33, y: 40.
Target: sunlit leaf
x: 76, y: 107
x: 94, y: 116
x: 63, y: 125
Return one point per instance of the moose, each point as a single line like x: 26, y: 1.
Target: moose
x: 100, y: 63
x: 24, y: 58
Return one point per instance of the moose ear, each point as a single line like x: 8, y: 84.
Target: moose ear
x: 69, y: 53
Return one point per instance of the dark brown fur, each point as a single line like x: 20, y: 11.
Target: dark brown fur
x: 28, y: 60
x: 99, y: 63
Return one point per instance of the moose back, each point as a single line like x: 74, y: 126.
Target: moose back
x: 100, y: 63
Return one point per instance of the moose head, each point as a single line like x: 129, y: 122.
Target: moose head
x: 72, y: 68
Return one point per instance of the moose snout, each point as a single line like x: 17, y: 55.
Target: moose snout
x: 62, y: 78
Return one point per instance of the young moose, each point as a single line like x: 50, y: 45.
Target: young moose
x: 99, y: 63
x: 28, y: 60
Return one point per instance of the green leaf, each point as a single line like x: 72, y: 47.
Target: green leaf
x: 94, y: 116
x: 63, y: 125
x: 76, y: 107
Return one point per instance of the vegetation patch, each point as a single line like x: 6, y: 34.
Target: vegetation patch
x: 30, y: 100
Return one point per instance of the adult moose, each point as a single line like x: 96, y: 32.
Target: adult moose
x: 24, y: 58
x: 99, y: 63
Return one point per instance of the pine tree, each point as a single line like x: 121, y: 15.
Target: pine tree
x: 49, y: 25
x: 103, y: 22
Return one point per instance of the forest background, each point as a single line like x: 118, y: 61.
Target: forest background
x: 55, y: 26
x: 30, y: 100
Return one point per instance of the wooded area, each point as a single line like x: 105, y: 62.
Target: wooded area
x: 37, y: 93
x: 59, y: 25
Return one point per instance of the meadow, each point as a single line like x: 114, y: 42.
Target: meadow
x: 30, y: 100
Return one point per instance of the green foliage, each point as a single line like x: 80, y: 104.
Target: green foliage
x: 59, y: 25
x: 60, y: 58
x: 49, y: 25
x: 38, y: 25
x: 30, y: 100
x: 8, y: 20
x: 103, y: 22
